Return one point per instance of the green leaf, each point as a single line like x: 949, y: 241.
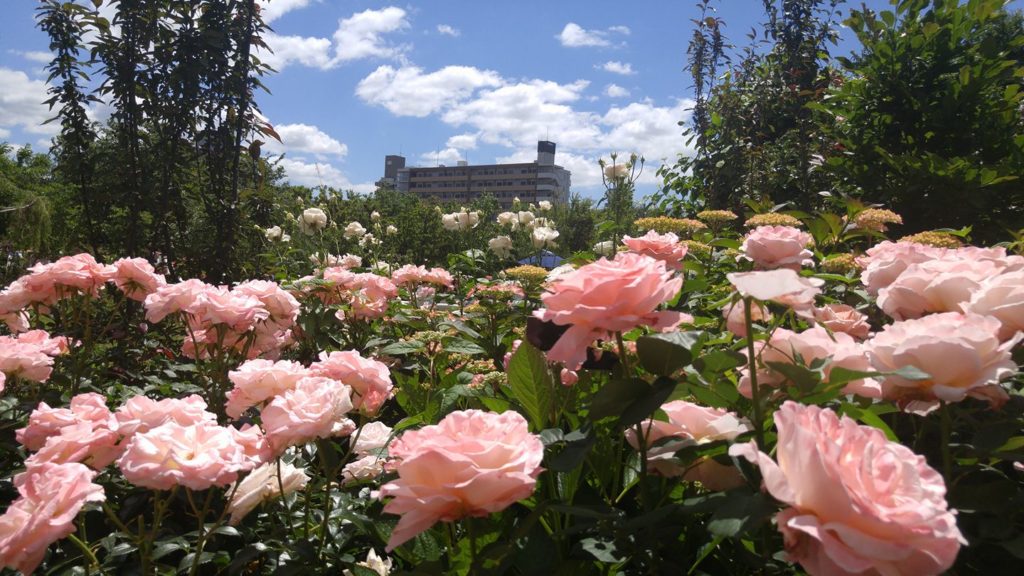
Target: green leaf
x: 741, y: 512
x: 530, y: 383
x: 663, y: 354
x: 460, y: 346
x: 643, y: 407
x: 402, y: 347
x: 614, y: 397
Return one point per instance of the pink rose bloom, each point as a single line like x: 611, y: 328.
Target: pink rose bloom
x: 45, y: 421
x: 29, y: 355
x: 885, y: 261
x: 691, y: 424
x: 996, y: 254
x: 961, y: 353
x: 408, y: 274
x: 51, y: 496
x: 843, y: 318
x: 782, y: 286
x: 219, y: 306
x: 1001, y: 297
x: 810, y: 345
x: 363, y: 469
x: 16, y: 321
x: 259, y: 380
x: 371, y: 438
x: 173, y: 298
x: 934, y: 286
x: 198, y: 456
x: 262, y: 484
x: 369, y: 296
x: 141, y: 413
x: 608, y: 296
x: 735, y: 316
x: 17, y: 296
x: 471, y: 463
x: 439, y: 277
x: 82, y: 442
x: 370, y: 380
x: 771, y: 247
x: 282, y: 306
x: 53, y: 346
x: 859, y: 504
x: 136, y: 278
x: 70, y: 274
x: 315, y: 408
x: 664, y: 247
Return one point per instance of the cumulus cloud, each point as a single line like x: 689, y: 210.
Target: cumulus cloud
x: 576, y: 36
x: 447, y: 30
x: 448, y: 157
x: 274, y: 9
x: 303, y: 138
x: 21, y: 104
x: 615, y: 91
x: 302, y: 172
x: 37, y: 56
x: 462, y: 141
x: 361, y: 36
x: 408, y: 91
x: 623, y: 68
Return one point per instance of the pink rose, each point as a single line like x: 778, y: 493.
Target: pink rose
x: 259, y: 380
x: 664, y: 247
x: 44, y: 422
x: 1001, y: 297
x: 51, y: 496
x: 363, y: 469
x: 371, y: 438
x: 859, y: 504
x: 282, y: 306
x: 219, y: 306
x: 884, y: 262
x: 934, y: 286
x: 604, y: 297
x: 961, y: 353
x: 370, y: 380
x: 68, y: 275
x: 810, y: 345
x: 141, y: 414
x: 735, y: 316
x: 771, y: 247
x: 439, y: 277
x: 781, y: 286
x: 173, y: 298
x: 691, y: 424
x: 315, y: 408
x: 198, y: 456
x: 568, y: 377
x: 16, y: 321
x: 81, y: 442
x: 262, y: 484
x: 136, y: 278
x: 471, y: 463
x: 843, y: 318
x: 29, y: 355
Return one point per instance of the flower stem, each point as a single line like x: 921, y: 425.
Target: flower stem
x: 86, y: 551
x: 755, y: 393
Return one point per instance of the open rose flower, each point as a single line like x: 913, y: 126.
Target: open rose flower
x: 690, y: 424
x: 664, y: 247
x: 50, y: 498
x: 858, y: 503
x: 735, y: 316
x: 1001, y: 297
x: 257, y: 381
x: 369, y: 379
x: 605, y: 297
x: 471, y: 463
x: 961, y: 353
x: 315, y: 408
x: 843, y: 318
x: 885, y: 261
x: 771, y: 247
x: 136, y: 278
x: 781, y: 286
x: 141, y: 413
x: 262, y: 484
x: 67, y: 276
x: 934, y: 286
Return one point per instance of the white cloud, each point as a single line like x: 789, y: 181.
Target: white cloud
x: 305, y: 138
x: 407, y: 91
x: 38, y: 56
x: 446, y: 30
x: 575, y: 36
x: 615, y: 91
x: 4, y: 134
x: 305, y: 173
x: 462, y: 141
x: 448, y: 157
x: 21, y: 104
x: 359, y: 37
x: 623, y: 68
x: 274, y: 9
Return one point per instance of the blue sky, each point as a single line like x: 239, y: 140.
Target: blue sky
x: 438, y: 81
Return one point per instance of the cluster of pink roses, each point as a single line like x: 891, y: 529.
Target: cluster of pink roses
x: 410, y: 275
x: 664, y: 247
x: 300, y: 404
x: 29, y: 355
x: 254, y: 317
x: 771, y: 247
x: 366, y: 295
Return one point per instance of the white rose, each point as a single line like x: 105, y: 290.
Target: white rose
x: 616, y: 171
x: 273, y: 233
x: 312, y: 220
x: 501, y: 246
x: 450, y: 221
x: 354, y: 230
x: 375, y: 216
x: 368, y: 240
x: 391, y: 230
x: 525, y: 218
x: 544, y: 237
x: 508, y: 219
x: 544, y: 205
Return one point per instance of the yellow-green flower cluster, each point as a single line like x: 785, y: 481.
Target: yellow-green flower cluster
x: 876, y: 219
x: 527, y: 274
x: 771, y: 219
x: 934, y: 238
x: 664, y: 225
x: 839, y: 263
x: 717, y: 217
x: 698, y: 250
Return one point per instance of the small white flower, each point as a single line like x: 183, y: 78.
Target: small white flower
x: 501, y: 246
x: 375, y: 216
x: 543, y: 237
x: 273, y: 233
x: 544, y: 205
x: 391, y: 230
x: 354, y: 230
x: 312, y: 220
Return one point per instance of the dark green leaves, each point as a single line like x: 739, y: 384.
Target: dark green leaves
x: 531, y: 384
x: 664, y: 354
